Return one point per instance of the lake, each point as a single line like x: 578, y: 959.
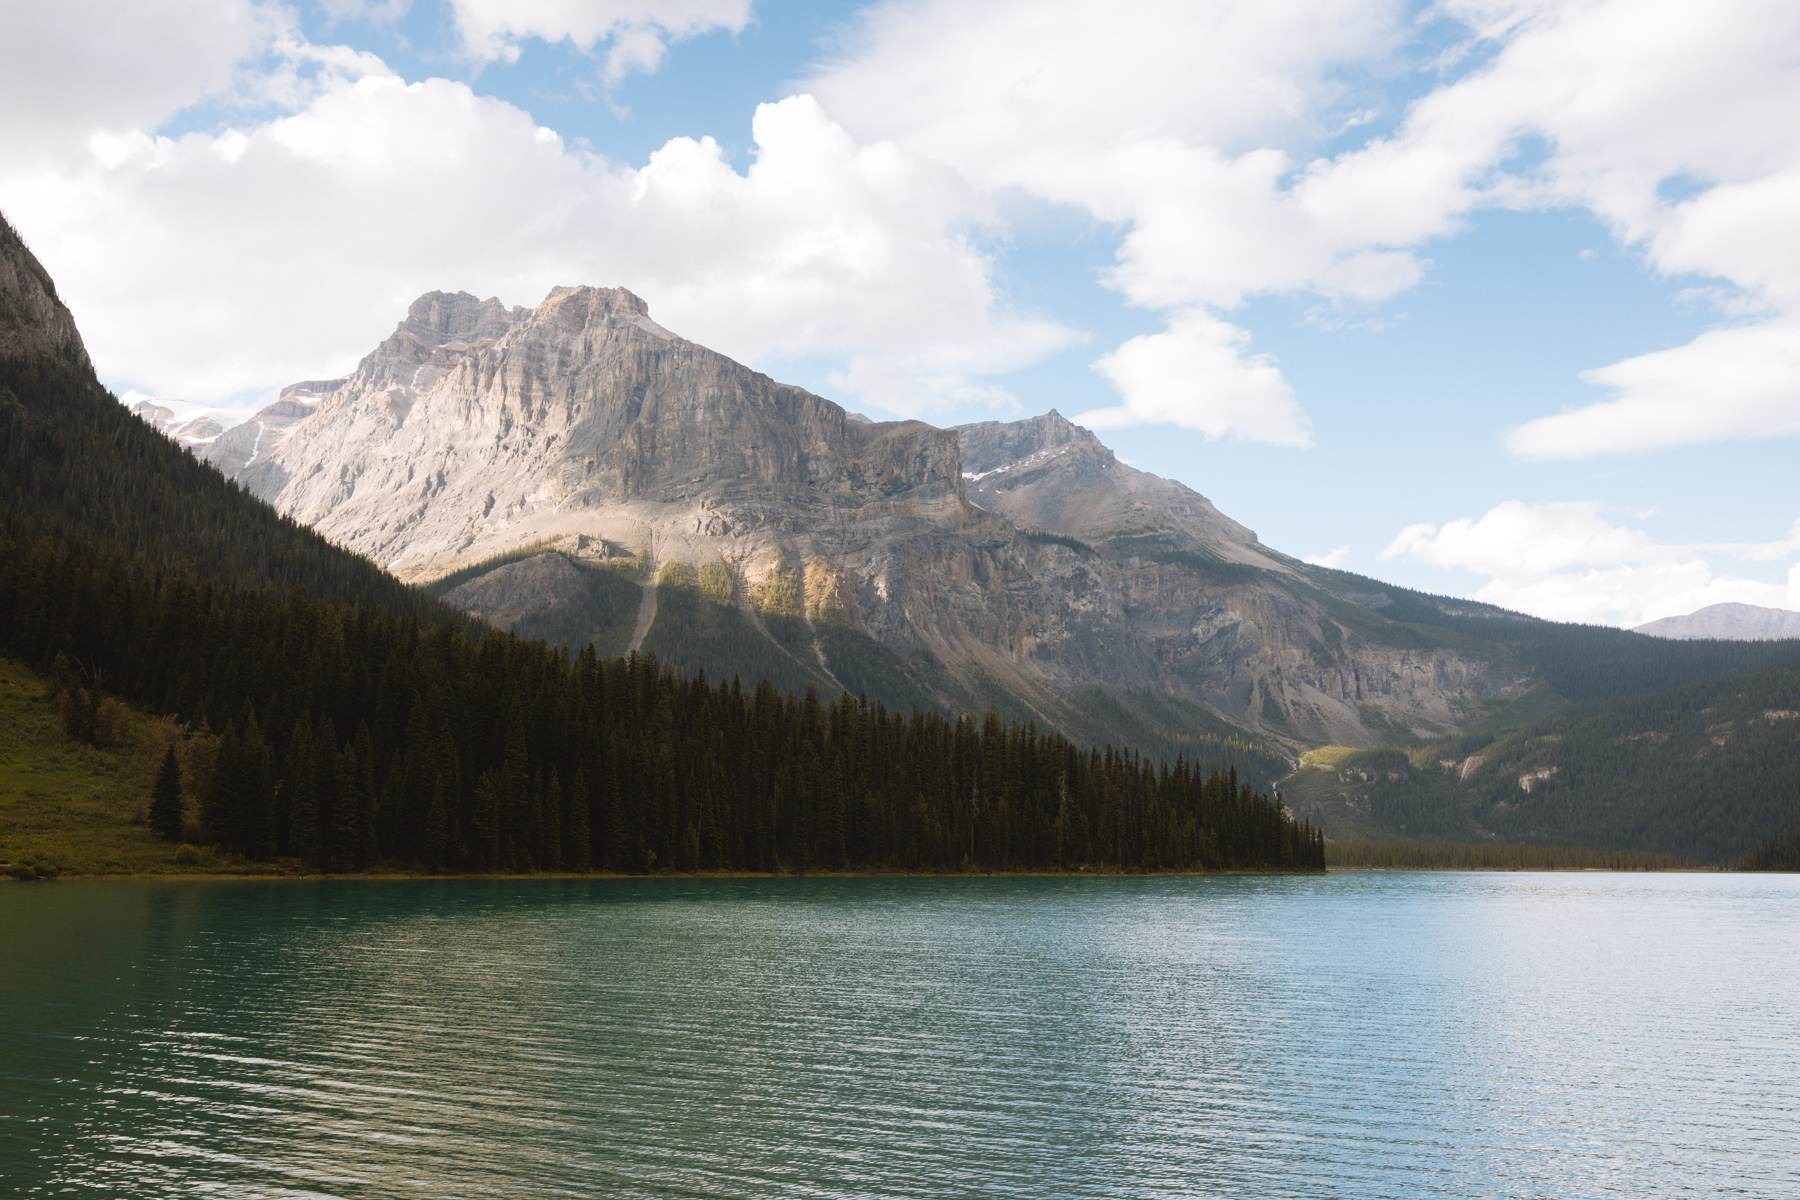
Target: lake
x: 1358, y: 1034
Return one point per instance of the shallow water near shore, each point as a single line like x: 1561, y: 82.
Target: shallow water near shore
x: 1363, y: 1034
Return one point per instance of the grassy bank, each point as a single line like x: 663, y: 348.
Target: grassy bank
x: 73, y: 809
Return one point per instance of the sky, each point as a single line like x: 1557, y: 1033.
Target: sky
x: 1493, y: 298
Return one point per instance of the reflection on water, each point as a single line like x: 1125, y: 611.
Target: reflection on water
x: 1356, y: 1035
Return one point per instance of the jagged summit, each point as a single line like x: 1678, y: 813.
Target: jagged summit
x: 475, y: 427
x: 1049, y: 473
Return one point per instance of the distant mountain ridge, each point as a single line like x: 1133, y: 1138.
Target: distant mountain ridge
x: 1728, y: 622
x: 191, y: 433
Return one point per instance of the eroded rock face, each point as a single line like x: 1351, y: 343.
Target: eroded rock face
x: 1020, y: 558
x: 244, y: 446
x: 34, y: 324
x: 1049, y: 473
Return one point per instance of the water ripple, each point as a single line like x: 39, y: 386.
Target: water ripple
x: 1365, y: 1035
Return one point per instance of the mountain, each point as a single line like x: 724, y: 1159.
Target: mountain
x: 1728, y: 622
x: 577, y: 470
x: 333, y: 717
x: 237, y: 449
x: 192, y: 433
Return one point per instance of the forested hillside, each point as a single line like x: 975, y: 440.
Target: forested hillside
x: 1706, y: 771
x: 697, y: 628
x: 365, y: 724
x: 1580, y: 665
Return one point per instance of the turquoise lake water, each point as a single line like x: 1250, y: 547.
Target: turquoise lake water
x: 1360, y: 1034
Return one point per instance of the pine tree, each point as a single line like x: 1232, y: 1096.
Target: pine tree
x: 222, y: 808
x: 165, y: 798
x: 578, y: 839
x: 436, y: 834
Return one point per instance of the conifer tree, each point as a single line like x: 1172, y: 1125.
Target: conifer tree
x: 578, y: 840
x: 165, y: 798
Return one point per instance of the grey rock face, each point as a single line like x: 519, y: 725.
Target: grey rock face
x: 245, y: 451
x: 1728, y: 622
x: 1049, y: 473
x: 193, y: 434
x: 1021, y: 560
x: 34, y: 324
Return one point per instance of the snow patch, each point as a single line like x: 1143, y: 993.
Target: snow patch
x: 257, y: 448
x: 1029, y: 460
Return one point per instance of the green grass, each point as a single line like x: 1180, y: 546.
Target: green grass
x: 1326, y: 757
x: 78, y: 810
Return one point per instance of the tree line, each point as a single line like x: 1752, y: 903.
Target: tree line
x: 363, y: 724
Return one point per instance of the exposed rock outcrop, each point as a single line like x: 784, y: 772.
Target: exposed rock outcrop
x: 34, y: 323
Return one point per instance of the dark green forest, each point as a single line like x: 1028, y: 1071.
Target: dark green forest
x: 366, y: 725
x: 1704, y: 771
x: 1776, y: 854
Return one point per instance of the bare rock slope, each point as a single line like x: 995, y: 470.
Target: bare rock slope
x: 1728, y: 622
x: 34, y: 324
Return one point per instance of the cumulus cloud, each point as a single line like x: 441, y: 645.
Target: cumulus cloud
x: 1187, y: 126
x: 78, y: 67
x: 1158, y: 118
x: 1336, y: 558
x: 1681, y: 100
x: 1568, y: 562
x: 1198, y: 374
x: 377, y: 190
x: 1726, y: 383
x: 635, y: 32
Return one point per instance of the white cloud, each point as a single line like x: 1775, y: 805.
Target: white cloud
x: 638, y: 30
x: 74, y: 68
x: 375, y: 12
x: 1568, y: 562
x: 212, y: 264
x: 1337, y: 558
x: 1159, y: 117
x: 1628, y: 97
x: 1726, y: 383
x: 1197, y: 374
x: 1186, y: 125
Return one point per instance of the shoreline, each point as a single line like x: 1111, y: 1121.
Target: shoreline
x: 564, y: 876
x: 427, y: 876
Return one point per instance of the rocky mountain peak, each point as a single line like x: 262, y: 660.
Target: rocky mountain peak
x: 34, y: 324
x: 574, y: 310
x: 439, y: 327
x: 990, y: 446
x: 438, y: 318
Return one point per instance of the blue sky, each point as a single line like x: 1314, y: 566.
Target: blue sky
x: 1485, y: 297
